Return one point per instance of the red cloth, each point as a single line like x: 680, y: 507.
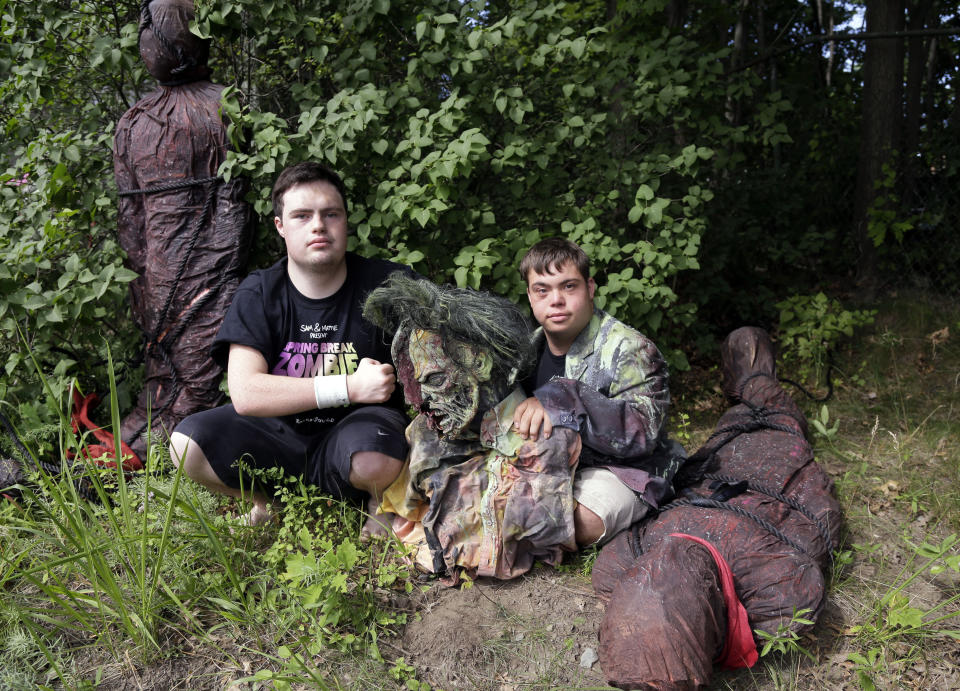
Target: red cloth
x: 739, y: 649
x: 107, y: 446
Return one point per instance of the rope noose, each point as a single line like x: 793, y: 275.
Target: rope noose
x: 184, y: 62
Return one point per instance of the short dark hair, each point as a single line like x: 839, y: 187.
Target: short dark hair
x: 299, y: 174
x: 552, y: 253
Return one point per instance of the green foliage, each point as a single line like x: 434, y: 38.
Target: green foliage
x: 913, y: 238
x: 864, y: 664
x: 71, y: 70
x: 117, y: 574
x: 781, y: 219
x: 682, y: 427
x: 786, y: 639
x: 329, y: 580
x: 467, y: 132
x: 407, y: 674
x: 813, y: 325
x: 327, y: 588
x: 580, y: 563
x: 893, y: 616
x: 884, y: 216
x: 820, y: 423
x: 146, y: 560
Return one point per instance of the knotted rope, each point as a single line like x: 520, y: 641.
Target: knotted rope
x: 153, y: 338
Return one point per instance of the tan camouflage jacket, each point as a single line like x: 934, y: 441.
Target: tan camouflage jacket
x: 616, y: 395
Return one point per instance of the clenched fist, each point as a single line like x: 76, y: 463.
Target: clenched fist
x: 373, y: 382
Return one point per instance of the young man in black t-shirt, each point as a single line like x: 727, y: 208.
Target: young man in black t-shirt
x: 312, y: 387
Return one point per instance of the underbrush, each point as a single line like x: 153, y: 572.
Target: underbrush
x: 154, y: 568
x: 889, y: 436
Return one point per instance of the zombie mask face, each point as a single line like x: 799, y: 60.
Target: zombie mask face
x: 451, y: 387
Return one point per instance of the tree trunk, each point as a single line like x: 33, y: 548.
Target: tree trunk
x: 771, y: 66
x: 919, y: 11
x: 736, y: 58
x: 881, y: 122
x: 676, y: 13
x: 824, y: 18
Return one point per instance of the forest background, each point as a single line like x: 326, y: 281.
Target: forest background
x: 723, y: 163
x: 784, y: 163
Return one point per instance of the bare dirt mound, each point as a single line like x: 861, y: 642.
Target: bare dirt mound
x: 535, y: 632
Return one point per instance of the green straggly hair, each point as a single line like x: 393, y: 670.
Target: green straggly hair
x: 489, y: 322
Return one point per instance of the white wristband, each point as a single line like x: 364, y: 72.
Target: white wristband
x: 330, y: 390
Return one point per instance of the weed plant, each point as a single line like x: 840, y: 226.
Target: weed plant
x: 152, y: 562
x: 124, y: 575
x: 890, y: 437
x: 813, y: 325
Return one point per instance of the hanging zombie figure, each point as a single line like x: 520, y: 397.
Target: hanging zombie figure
x: 474, y: 496
x: 185, y: 231
x: 743, y: 547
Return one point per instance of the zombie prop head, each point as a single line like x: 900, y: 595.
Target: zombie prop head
x: 450, y: 387
x: 457, y: 351
x: 171, y: 53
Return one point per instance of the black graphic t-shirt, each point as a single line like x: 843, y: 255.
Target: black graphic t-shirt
x: 548, y: 367
x: 302, y: 337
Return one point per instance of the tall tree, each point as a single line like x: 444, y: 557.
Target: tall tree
x: 919, y: 16
x: 881, y: 120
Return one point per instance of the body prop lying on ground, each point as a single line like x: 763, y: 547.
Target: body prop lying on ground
x: 753, y: 493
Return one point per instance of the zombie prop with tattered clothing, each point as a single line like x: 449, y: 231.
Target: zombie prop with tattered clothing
x: 474, y: 497
x: 185, y: 230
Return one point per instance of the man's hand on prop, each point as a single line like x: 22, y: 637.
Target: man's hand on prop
x: 373, y: 382
x: 530, y: 419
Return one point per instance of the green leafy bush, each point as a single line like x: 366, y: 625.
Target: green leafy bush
x: 71, y: 72
x: 813, y: 325
x: 465, y: 132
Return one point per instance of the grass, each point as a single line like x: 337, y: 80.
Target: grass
x: 159, y: 581
x: 890, y: 438
x: 157, y: 568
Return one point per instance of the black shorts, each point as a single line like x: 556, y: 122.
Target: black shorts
x: 264, y: 442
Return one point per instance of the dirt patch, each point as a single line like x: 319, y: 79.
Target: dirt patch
x: 536, y: 632
x: 204, y: 666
